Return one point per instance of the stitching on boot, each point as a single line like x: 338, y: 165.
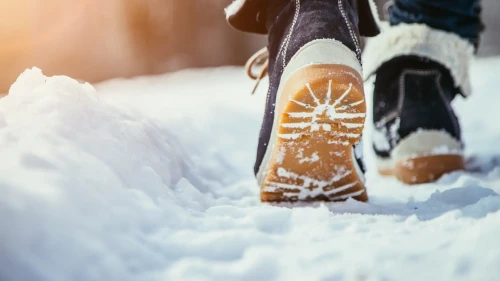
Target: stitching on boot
x: 284, y: 46
x: 447, y: 104
x: 395, y: 114
x: 440, y: 90
x: 402, y: 83
x: 351, y: 32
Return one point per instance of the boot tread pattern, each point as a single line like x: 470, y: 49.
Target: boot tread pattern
x: 322, y: 113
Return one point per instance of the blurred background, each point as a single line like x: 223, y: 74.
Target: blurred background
x: 95, y: 40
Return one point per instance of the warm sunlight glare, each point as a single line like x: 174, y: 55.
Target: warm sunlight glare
x: 88, y: 39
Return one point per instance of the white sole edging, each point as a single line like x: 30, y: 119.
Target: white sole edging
x: 420, y: 144
x: 425, y: 143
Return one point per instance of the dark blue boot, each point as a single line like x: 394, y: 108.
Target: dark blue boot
x: 252, y: 15
x: 315, y: 109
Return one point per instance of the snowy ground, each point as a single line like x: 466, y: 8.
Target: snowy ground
x: 151, y: 179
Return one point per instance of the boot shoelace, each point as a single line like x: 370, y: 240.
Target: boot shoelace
x: 259, y: 60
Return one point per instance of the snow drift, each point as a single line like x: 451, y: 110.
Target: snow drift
x: 75, y: 167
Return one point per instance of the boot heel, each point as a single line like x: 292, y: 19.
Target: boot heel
x: 321, y: 116
x: 425, y: 156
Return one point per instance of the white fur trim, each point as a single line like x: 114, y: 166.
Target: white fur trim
x: 452, y: 51
x: 234, y: 7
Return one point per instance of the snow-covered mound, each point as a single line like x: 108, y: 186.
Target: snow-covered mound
x: 151, y: 179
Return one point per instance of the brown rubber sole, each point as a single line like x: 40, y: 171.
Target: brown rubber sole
x: 425, y: 169
x: 321, y: 116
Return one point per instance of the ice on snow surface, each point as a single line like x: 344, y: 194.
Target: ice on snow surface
x: 151, y: 179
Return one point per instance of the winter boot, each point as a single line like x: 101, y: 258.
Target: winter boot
x: 315, y: 109
x: 419, y: 71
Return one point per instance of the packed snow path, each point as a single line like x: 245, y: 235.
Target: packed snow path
x: 151, y: 179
